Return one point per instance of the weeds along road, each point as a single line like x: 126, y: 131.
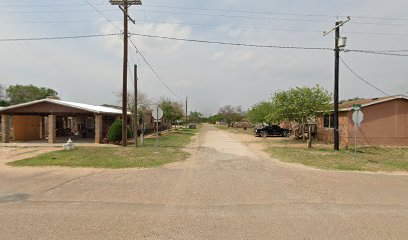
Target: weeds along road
x: 224, y: 191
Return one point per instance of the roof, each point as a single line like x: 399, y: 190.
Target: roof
x: 348, y: 106
x: 112, y: 106
x: 80, y: 106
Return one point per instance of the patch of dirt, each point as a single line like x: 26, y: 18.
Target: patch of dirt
x: 11, y: 154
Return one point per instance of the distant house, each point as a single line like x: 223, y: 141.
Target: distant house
x: 385, y: 122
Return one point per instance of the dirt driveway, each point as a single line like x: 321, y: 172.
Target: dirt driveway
x: 224, y: 191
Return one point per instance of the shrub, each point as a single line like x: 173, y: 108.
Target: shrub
x: 115, y: 132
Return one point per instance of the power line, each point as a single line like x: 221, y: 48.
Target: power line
x: 151, y: 68
x: 214, y: 9
x: 100, y: 13
x: 379, y: 52
x: 229, y: 43
x: 47, y: 5
x: 137, y: 50
x: 396, y: 52
x: 215, y: 26
x: 361, y: 78
x: 58, y: 37
x: 222, y: 15
x: 277, y: 13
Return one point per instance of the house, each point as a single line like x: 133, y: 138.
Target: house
x: 49, y: 119
x: 385, y: 122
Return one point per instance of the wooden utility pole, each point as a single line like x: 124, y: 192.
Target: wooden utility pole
x: 136, y: 124
x: 186, y: 112
x: 125, y: 64
x: 124, y: 6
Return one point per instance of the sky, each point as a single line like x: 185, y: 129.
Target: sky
x: 89, y: 70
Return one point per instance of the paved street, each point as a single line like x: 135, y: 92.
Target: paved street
x: 226, y: 190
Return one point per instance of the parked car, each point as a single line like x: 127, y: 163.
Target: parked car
x: 271, y: 130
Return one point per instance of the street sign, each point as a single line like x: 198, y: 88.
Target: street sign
x: 157, y: 113
x: 356, y: 107
x: 358, y: 117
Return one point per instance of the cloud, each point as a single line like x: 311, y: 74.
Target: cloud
x: 89, y: 70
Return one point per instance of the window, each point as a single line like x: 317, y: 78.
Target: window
x: 328, y: 120
x: 90, y: 122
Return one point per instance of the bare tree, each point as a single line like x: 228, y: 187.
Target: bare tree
x: 144, y: 103
x: 231, y: 114
x: 2, y: 92
x: 3, y: 98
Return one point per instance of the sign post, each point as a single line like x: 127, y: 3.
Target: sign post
x: 358, y: 118
x: 157, y: 115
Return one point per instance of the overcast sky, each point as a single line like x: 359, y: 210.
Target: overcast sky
x: 90, y: 70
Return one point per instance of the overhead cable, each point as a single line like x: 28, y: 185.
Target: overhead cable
x: 229, y: 43
x: 137, y: 50
x: 362, y: 79
x: 58, y: 37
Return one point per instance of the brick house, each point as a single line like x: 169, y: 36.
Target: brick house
x: 48, y: 119
x: 385, y: 122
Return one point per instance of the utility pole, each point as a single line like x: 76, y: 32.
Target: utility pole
x: 338, y: 43
x: 135, y: 108
x: 186, y: 112
x: 124, y: 6
x: 124, y: 87
x: 336, y: 88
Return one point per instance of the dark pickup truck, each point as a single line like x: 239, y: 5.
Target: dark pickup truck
x: 272, y: 130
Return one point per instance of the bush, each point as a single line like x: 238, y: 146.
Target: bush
x: 115, y: 132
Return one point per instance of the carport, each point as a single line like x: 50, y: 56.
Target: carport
x: 49, y: 119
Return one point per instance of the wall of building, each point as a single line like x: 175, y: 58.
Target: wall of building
x: 326, y: 134
x: 384, y: 124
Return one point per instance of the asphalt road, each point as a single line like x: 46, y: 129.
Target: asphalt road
x: 225, y: 191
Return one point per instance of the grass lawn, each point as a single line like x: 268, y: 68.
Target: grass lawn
x: 322, y: 156
x: 170, y: 150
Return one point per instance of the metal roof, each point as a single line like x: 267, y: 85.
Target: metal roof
x: 80, y: 106
x: 348, y: 106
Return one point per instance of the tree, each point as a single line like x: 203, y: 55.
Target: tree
x: 3, y: 100
x: 300, y: 104
x: 231, y: 114
x: 144, y: 103
x: 172, y: 111
x: 196, y: 117
x: 20, y: 94
x: 214, y: 118
x: 351, y: 99
x: 259, y: 112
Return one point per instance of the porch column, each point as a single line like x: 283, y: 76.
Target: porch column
x: 98, y: 128
x: 5, y: 128
x: 42, y: 128
x: 52, y: 123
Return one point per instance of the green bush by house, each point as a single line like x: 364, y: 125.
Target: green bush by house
x: 115, y: 132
